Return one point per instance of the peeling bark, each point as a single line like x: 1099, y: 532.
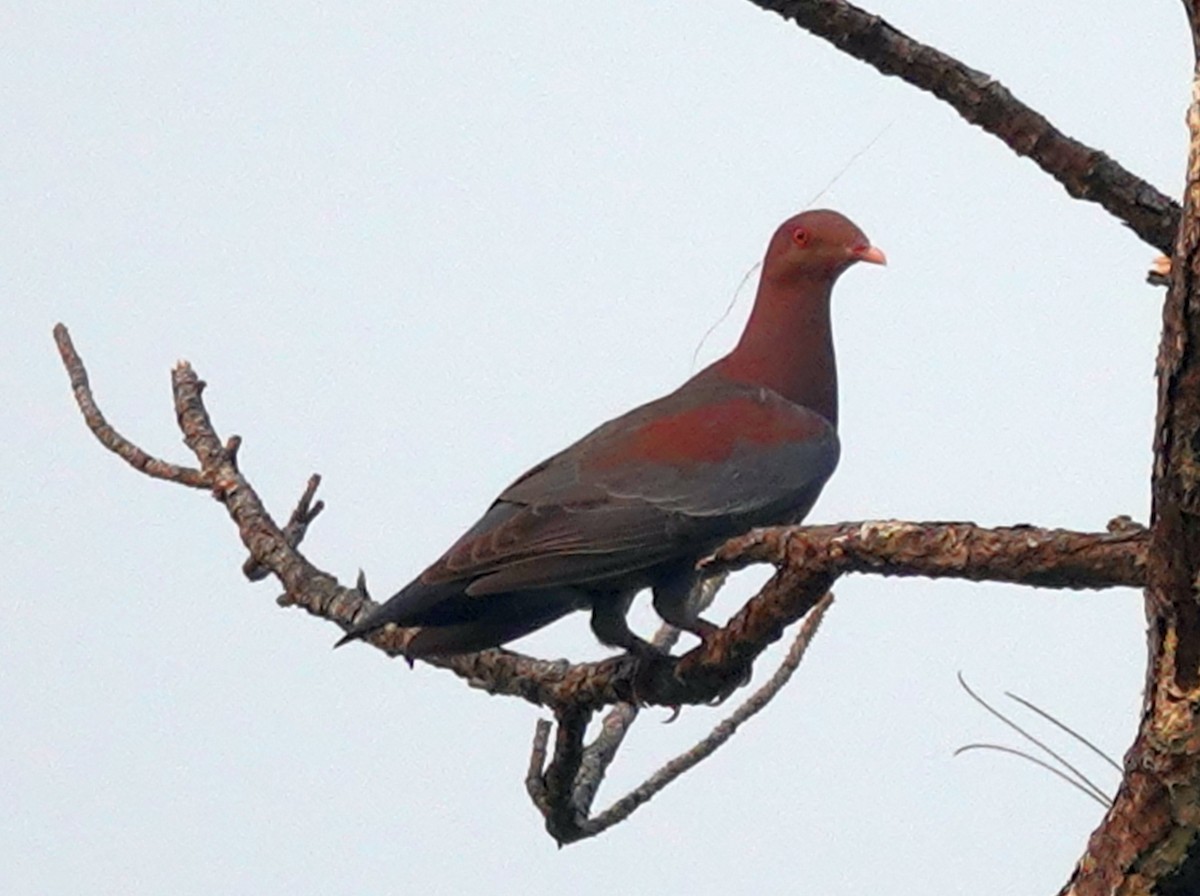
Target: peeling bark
x: 1148, y: 841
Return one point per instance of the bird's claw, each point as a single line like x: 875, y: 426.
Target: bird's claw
x: 646, y: 668
x: 741, y: 682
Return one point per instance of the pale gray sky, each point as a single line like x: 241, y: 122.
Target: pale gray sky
x: 418, y: 246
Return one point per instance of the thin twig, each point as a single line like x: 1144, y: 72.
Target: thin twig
x: 109, y: 437
x: 600, y: 753
x: 626, y: 805
x: 535, y: 779
x: 563, y: 817
x: 295, y: 529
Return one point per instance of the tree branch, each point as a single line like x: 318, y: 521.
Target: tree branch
x: 1023, y: 555
x: 600, y: 753
x: 297, y: 527
x: 589, y: 826
x: 535, y: 777
x: 809, y: 560
x: 1149, y: 840
x: 563, y: 814
x: 1084, y: 172
x: 109, y: 437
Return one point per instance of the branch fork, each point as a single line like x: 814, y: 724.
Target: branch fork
x: 1148, y: 841
x: 808, y: 560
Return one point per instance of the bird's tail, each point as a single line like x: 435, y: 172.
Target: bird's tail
x: 466, y: 624
x: 353, y: 635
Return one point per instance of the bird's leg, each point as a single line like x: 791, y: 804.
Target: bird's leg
x: 673, y: 602
x: 609, y: 625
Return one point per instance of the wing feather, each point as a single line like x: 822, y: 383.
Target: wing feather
x: 665, y: 480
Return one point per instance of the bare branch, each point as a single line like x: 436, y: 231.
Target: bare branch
x: 312, y: 589
x: 567, y: 812
x: 600, y: 753
x: 563, y: 815
x: 809, y: 559
x: 297, y: 526
x: 626, y: 805
x: 1026, y: 555
x: 535, y: 779
x: 1084, y: 172
x: 109, y: 437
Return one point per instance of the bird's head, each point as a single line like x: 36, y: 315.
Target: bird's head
x: 817, y: 245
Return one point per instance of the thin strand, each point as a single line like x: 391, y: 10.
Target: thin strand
x: 1071, y: 731
x: 850, y: 164
x: 724, y: 314
x: 1084, y: 779
x: 737, y: 292
x: 1102, y: 799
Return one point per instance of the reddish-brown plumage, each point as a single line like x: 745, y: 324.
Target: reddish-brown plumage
x: 706, y: 434
x: 748, y: 441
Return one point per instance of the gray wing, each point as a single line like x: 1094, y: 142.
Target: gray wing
x: 669, y: 479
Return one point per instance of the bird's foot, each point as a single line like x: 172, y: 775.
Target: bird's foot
x: 647, y: 667
x: 728, y: 692
x: 703, y: 629
x: 694, y: 667
x: 706, y: 632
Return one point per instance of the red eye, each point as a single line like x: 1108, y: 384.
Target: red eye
x: 800, y: 237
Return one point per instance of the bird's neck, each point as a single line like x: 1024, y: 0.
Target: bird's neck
x: 787, y: 346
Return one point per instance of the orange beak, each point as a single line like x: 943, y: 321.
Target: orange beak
x: 870, y: 254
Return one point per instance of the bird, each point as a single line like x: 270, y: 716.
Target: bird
x: 748, y: 441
